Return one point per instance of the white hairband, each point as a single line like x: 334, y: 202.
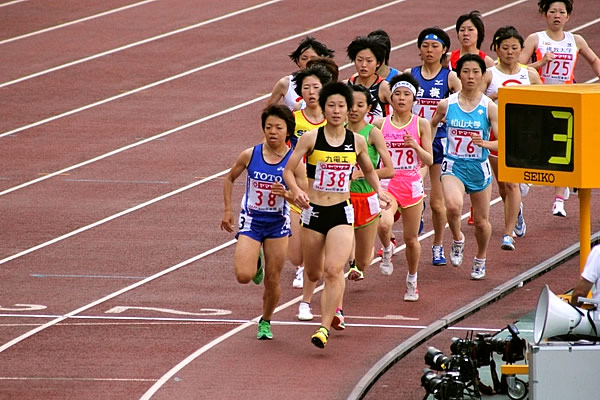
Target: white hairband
x: 407, y: 85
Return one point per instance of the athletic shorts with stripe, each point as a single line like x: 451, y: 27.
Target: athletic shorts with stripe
x: 323, y: 218
x: 474, y: 175
x: 366, y: 208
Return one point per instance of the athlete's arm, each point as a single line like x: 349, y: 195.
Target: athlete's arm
x: 493, y: 117
x: 305, y: 145
x: 588, y: 54
x: 534, y: 77
x: 438, y: 116
x: 363, y: 160
x: 487, y: 80
x: 376, y: 139
x: 384, y: 92
x: 279, y: 90
x: 240, y: 164
x: 424, y: 150
x: 531, y: 43
x: 454, y: 82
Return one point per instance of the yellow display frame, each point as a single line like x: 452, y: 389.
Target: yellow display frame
x: 584, y: 99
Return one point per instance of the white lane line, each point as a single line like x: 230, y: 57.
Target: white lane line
x: 86, y: 307
x: 77, y: 21
x: 160, y: 135
x: 115, y: 181
x: 183, y: 363
x: 112, y: 217
x: 85, y: 276
x: 191, y: 71
x: 138, y: 43
x: 10, y: 3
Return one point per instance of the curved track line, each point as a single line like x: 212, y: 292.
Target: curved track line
x: 77, y: 21
x: 160, y: 135
x: 112, y: 217
x: 128, y: 46
x: 194, y: 70
x: 113, y: 295
x: 10, y: 3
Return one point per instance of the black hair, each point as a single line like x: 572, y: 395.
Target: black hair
x: 544, y: 5
x: 364, y: 42
x: 310, y: 42
x: 328, y: 63
x: 385, y: 40
x: 404, y: 77
x: 333, y: 88
x: 318, y: 70
x: 371, y: 101
x: 470, y: 57
x: 283, y: 112
x: 503, y: 33
x: 475, y: 17
x: 440, y: 33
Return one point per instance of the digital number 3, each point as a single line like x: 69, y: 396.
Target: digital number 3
x: 561, y: 137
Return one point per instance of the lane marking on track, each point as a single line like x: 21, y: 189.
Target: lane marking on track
x: 138, y: 43
x: 197, y: 69
x: 110, y: 218
x: 70, y: 379
x: 115, y: 181
x: 77, y: 21
x: 10, y: 3
x: 86, y: 276
x: 182, y: 127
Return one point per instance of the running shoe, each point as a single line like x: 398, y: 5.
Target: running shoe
x: 478, y: 271
x: 470, y: 221
x: 338, y: 321
x: 320, y: 337
x: 438, y: 255
x: 386, y: 267
x: 355, y: 274
x: 304, y: 312
x: 558, y: 209
x: 456, y: 252
x: 299, y: 279
x: 524, y: 189
x: 412, y: 293
x: 422, y: 223
x: 566, y: 194
x: 508, y: 243
x: 380, y: 251
x: 520, y: 226
x: 264, y: 331
x: 260, y: 271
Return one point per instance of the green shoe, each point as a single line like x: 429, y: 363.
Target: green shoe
x: 264, y: 331
x: 260, y: 271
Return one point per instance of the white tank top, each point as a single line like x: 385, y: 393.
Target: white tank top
x: 562, y: 68
x: 500, y: 79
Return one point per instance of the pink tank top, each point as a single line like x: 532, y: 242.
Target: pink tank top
x: 405, y: 159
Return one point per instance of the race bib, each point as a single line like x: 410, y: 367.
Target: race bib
x: 403, y: 157
x: 332, y: 177
x: 461, y: 145
x: 487, y: 170
x: 260, y: 197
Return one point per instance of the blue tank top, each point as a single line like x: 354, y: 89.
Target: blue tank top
x: 430, y: 92
x: 462, y: 124
x: 258, y: 201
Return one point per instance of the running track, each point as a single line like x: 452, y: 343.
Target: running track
x: 117, y: 121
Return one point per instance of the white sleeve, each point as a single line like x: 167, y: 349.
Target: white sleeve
x: 591, y: 271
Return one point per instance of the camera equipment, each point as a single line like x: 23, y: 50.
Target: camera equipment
x: 436, y: 359
x: 511, y: 348
x: 447, y: 386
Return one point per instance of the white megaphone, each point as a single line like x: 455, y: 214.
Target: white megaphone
x: 555, y: 317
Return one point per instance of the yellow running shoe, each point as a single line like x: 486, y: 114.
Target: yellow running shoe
x: 320, y: 337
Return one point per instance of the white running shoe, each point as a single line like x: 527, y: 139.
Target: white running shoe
x: 456, y: 252
x: 520, y: 227
x: 412, y: 293
x: 299, y: 279
x: 558, y: 209
x: 524, y: 189
x: 304, y: 312
x: 386, y: 267
x: 478, y: 271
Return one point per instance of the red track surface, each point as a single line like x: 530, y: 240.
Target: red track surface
x: 121, y: 359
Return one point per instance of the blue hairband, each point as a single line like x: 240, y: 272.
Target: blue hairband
x: 432, y: 36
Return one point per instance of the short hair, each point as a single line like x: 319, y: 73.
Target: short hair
x: 318, y: 70
x: 544, y: 5
x: 475, y: 17
x: 333, y: 88
x: 470, y: 57
x: 364, y: 42
x: 385, y: 40
x: 404, y: 77
x: 310, y: 42
x: 371, y: 100
x: 503, y: 33
x: 328, y: 63
x: 283, y: 112
x: 440, y: 33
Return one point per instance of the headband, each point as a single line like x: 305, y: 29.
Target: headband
x: 432, y: 36
x: 407, y: 85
